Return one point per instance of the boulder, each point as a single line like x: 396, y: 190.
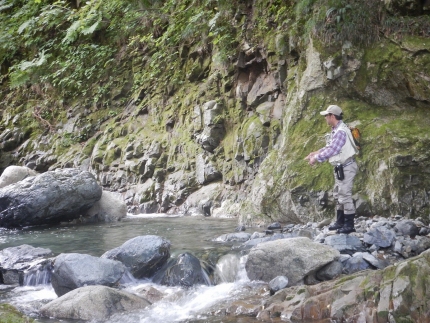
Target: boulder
x: 407, y: 228
x: 398, y: 293
x: 109, y: 208
x: 330, y: 271
x: 14, y: 174
x: 92, y: 303
x: 379, y: 236
x: 15, y: 261
x: 233, y: 237
x: 142, y: 255
x: 294, y: 258
x: 51, y: 197
x: 277, y: 284
x: 73, y: 270
x: 185, y: 271
x: 345, y: 243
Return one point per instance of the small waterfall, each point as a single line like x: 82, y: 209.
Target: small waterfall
x: 227, y: 269
x: 38, y: 275
x: 128, y: 278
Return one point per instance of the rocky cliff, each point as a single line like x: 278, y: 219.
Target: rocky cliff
x: 220, y: 124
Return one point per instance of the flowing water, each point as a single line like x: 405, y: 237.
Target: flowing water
x: 191, y: 234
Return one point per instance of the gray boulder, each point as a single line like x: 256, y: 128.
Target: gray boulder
x: 109, y: 208
x: 142, y: 255
x: 379, y: 236
x: 14, y: 174
x: 51, y: 197
x: 345, y: 243
x: 330, y: 271
x: 277, y: 284
x: 73, y: 270
x: 185, y: 271
x: 354, y: 264
x: 233, y: 237
x: 92, y: 303
x: 406, y: 228
x: 294, y: 258
x: 15, y: 261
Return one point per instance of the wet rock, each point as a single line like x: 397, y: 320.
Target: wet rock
x: 240, y: 228
x: 274, y: 226
x: 142, y: 255
x: 15, y: 261
x: 185, y: 271
x: 233, y: 237
x: 150, y: 293
x: 295, y: 258
x: 95, y: 303
x: 73, y: 270
x: 206, y: 171
x: 379, y: 236
x: 51, y: 197
x: 277, y: 284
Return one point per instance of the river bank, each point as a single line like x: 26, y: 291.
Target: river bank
x: 234, y: 297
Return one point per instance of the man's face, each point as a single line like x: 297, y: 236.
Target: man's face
x: 330, y: 119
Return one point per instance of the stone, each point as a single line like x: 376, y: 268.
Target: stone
x: 274, y: 226
x: 184, y: 271
x: 109, y: 208
x: 73, y: 270
x: 277, y: 284
x: 14, y: 174
x: 233, y: 237
x: 354, y: 264
x: 380, y: 236
x: 330, y: 271
x: 51, y: 197
x: 295, y: 258
x: 142, y: 255
x: 345, y: 243
x: 92, y: 303
x: 406, y: 227
x: 14, y: 261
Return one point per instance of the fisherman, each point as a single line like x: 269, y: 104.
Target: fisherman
x: 339, y: 151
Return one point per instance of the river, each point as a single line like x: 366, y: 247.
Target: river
x: 191, y: 234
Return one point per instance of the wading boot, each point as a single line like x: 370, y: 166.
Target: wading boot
x: 340, y: 220
x: 348, y: 227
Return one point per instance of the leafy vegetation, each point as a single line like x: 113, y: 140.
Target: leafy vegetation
x: 62, y: 50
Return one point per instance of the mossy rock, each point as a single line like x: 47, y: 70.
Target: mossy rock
x: 9, y: 314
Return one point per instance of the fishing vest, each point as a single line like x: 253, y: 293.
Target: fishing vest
x: 348, y: 150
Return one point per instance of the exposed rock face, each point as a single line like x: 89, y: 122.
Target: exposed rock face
x: 50, y: 197
x: 394, y: 294
x: 92, y: 303
x: 142, y: 255
x: 75, y: 270
x: 295, y: 258
x: 15, y: 260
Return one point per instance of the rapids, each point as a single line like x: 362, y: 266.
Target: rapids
x: 225, y: 265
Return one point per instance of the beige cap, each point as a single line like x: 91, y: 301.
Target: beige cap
x: 333, y: 109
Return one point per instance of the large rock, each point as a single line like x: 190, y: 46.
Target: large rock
x: 142, y: 255
x: 75, y: 270
x: 185, y: 271
x: 92, y: 303
x: 109, y: 208
x: 50, y: 197
x: 15, y: 261
x: 14, y: 174
x: 398, y: 293
x: 294, y: 258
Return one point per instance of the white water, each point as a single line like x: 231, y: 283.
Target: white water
x: 196, y: 304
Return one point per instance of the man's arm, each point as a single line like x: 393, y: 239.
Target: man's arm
x: 333, y: 149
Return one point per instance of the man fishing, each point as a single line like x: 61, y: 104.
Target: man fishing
x: 339, y: 151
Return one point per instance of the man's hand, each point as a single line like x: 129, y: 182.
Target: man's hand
x: 311, y: 158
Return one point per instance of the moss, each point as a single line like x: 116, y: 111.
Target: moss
x: 9, y: 314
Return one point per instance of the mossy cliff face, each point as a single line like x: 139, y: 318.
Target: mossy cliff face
x: 244, y: 121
